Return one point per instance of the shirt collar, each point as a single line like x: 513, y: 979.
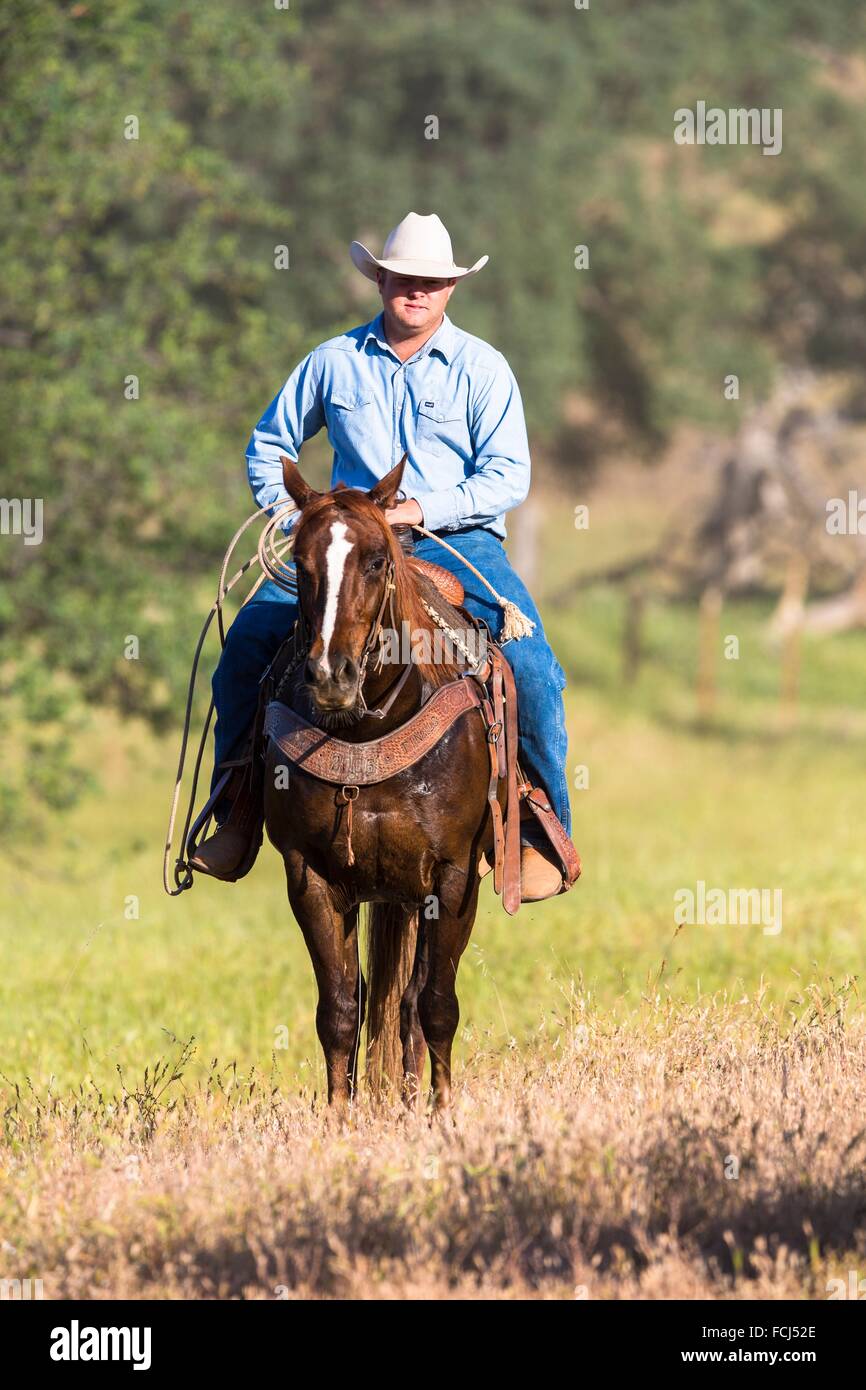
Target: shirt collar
x: 442, y: 340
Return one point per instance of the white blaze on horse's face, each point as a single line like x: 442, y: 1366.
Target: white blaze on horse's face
x: 335, y: 565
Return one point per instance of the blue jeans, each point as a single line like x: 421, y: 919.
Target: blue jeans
x: 259, y: 628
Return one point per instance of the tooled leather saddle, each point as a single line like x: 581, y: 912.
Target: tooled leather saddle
x: 490, y: 689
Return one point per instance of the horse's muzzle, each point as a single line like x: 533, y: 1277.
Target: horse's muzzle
x: 333, y: 685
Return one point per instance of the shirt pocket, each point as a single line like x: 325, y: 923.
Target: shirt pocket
x: 441, y: 426
x: 350, y: 420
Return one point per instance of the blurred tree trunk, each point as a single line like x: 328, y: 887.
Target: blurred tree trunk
x: 709, y: 615
x: 793, y: 605
x: 525, y: 525
x: 632, y: 637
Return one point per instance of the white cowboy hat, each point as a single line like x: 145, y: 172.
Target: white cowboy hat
x: 416, y: 246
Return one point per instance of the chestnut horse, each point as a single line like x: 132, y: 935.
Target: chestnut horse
x: 409, y: 846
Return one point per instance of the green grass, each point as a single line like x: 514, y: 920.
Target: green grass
x: 743, y: 804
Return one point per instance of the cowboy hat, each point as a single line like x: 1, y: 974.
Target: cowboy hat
x: 416, y: 246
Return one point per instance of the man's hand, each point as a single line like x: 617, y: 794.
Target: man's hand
x: 406, y: 513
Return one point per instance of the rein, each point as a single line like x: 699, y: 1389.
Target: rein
x: 374, y: 637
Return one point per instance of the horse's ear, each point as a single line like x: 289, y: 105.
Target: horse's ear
x: 300, y: 492
x: 385, y: 491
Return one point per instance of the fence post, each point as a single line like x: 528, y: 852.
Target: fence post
x: 793, y: 603
x: 632, y: 634
x: 709, y: 614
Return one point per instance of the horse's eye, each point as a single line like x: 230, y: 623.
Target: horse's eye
x: 376, y: 565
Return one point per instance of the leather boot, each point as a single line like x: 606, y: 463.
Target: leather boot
x: 230, y: 852
x: 540, y: 876
x: 222, y: 853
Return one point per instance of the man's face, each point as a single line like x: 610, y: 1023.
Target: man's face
x: 412, y: 302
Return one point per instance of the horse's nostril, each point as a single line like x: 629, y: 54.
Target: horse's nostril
x: 344, y: 670
x: 341, y: 671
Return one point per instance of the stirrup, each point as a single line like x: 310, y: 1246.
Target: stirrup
x: 560, y: 841
x: 198, y: 830
x: 244, y: 809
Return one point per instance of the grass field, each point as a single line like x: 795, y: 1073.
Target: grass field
x: 702, y: 1154
x: 87, y: 987
x: 628, y: 1047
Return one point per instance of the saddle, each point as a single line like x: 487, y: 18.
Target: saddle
x: 349, y: 766
x: 489, y: 689
x: 447, y: 583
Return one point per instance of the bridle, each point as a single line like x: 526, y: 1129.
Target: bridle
x: 374, y: 639
x: 301, y: 638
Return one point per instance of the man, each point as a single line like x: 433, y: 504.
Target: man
x: 409, y: 381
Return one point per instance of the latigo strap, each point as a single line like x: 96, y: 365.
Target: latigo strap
x: 505, y: 714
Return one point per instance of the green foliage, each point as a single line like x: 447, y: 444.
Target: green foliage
x: 259, y: 127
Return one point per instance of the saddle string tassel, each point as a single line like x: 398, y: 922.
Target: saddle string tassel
x: 515, y: 622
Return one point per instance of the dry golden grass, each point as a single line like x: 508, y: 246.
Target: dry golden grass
x: 593, y: 1166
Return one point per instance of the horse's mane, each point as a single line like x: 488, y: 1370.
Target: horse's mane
x: 408, y: 605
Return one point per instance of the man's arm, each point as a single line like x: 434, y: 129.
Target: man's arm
x: 293, y: 416
x: 502, y: 465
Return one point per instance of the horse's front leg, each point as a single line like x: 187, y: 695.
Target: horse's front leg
x: 438, y: 1008
x: 332, y: 941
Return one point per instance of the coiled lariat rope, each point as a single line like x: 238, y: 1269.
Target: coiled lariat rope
x: 269, y: 557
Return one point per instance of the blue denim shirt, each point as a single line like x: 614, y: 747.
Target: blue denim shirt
x: 454, y: 406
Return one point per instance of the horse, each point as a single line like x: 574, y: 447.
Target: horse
x: 408, y: 846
